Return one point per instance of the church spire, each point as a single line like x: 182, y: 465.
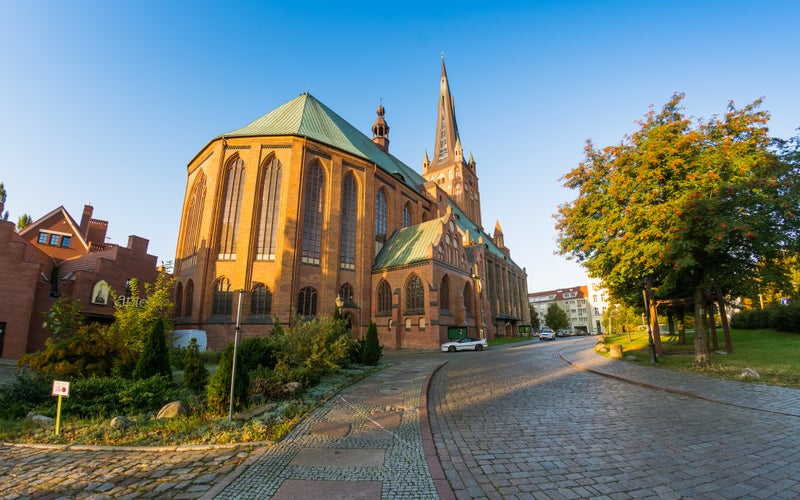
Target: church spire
x: 380, y: 129
x: 446, y: 126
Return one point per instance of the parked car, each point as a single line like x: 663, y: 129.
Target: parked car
x: 465, y: 344
x: 547, y: 334
x: 561, y: 333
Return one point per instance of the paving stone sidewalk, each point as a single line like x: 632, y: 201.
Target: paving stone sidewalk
x: 365, y: 443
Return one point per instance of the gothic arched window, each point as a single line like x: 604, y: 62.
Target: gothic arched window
x: 194, y: 214
x: 469, y: 299
x: 346, y: 293
x: 268, y: 213
x: 380, y: 215
x: 347, y: 257
x: 260, y: 300
x: 307, y: 301
x: 178, y: 299
x: 189, y: 297
x: 444, y: 294
x: 415, y: 296
x: 406, y: 215
x: 223, y: 297
x: 384, y: 297
x: 231, y: 209
x: 314, y: 194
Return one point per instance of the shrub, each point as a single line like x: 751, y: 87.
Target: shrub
x: 155, y: 357
x: 219, y: 386
x: 195, y: 374
x: 111, y: 396
x: 176, y: 355
x: 268, y: 383
x: 256, y: 352
x: 23, y: 395
x: 320, y: 346
x: 92, y: 351
x: 372, y: 348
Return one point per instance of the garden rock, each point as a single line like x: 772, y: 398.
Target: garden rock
x: 292, y: 387
x: 40, y: 419
x: 120, y: 422
x: 172, y: 410
x: 615, y: 351
x: 750, y: 373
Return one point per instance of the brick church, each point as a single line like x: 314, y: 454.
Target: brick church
x: 299, y: 211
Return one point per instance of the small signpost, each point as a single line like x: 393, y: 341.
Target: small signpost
x: 60, y: 389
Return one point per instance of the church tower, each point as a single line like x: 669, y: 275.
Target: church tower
x: 456, y: 176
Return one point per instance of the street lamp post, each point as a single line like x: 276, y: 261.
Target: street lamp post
x: 233, y: 363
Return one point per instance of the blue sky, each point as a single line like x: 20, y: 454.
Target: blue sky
x: 106, y: 102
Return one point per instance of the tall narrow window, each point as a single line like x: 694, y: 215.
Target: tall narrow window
x: 194, y: 213
x: 260, y: 301
x: 178, y: 299
x: 469, y: 300
x: 307, y: 302
x: 314, y: 194
x: 223, y: 297
x: 380, y: 216
x: 384, y: 298
x: 347, y: 258
x: 189, y: 297
x: 444, y: 294
x: 231, y: 209
x: 406, y: 215
x: 415, y: 296
x: 268, y: 216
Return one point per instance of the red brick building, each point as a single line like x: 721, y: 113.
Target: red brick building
x: 56, y: 257
x: 299, y: 210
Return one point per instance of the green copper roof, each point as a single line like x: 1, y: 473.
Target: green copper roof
x: 305, y: 116
x: 465, y: 224
x: 409, y: 245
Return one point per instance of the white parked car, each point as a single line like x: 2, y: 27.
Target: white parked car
x: 547, y: 334
x: 465, y: 344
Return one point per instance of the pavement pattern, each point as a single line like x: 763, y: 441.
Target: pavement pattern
x: 538, y: 420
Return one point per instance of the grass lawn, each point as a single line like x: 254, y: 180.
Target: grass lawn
x: 774, y: 355
x: 508, y: 340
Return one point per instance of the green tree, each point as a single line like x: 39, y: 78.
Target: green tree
x: 219, y: 386
x: 556, y: 318
x: 535, y: 322
x: 688, y: 208
x: 134, y: 317
x: 154, y: 359
x: 64, y: 318
x: 372, y: 348
x: 195, y: 374
x: 23, y: 221
x: 3, y: 215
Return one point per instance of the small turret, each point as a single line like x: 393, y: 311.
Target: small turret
x: 380, y: 130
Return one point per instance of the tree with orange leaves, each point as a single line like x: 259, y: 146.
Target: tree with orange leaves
x: 682, y: 203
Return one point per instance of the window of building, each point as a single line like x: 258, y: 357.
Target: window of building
x: 268, y: 217
x: 415, y: 296
x: 231, y: 209
x: 43, y: 238
x: 444, y: 294
x: 346, y: 293
x: 178, y: 299
x: 380, y: 215
x: 469, y: 299
x: 189, y: 297
x: 422, y: 323
x: 307, y: 302
x: 54, y: 238
x: 384, y: 298
x: 406, y: 215
x: 223, y: 297
x: 314, y: 194
x: 65, y: 241
x: 408, y: 324
x: 347, y: 257
x: 191, y: 235
x: 260, y: 300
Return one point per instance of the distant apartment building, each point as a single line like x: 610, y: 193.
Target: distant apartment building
x: 53, y: 257
x: 599, y: 300
x: 584, y: 314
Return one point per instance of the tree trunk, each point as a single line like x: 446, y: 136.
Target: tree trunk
x: 653, y: 317
x: 723, y: 317
x: 712, y: 324
x: 702, y: 358
x: 671, y: 321
x: 682, y: 325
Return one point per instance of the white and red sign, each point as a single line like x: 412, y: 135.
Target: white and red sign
x: 60, y: 388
